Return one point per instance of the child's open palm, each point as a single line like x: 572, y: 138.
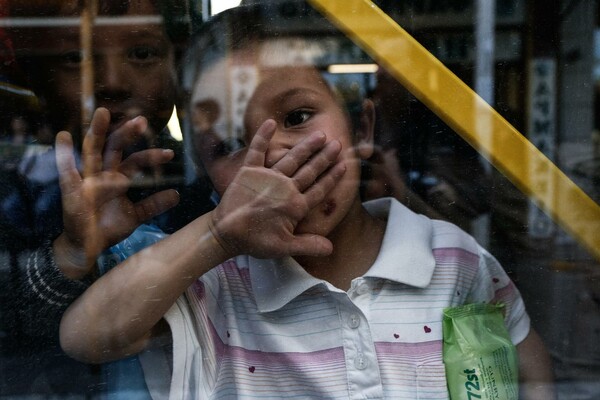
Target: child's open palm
x: 96, y: 210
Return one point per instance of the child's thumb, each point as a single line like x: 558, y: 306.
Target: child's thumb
x: 310, y: 245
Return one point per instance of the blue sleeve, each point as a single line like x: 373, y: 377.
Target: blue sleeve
x: 125, y: 378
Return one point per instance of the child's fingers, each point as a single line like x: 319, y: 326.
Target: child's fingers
x: 310, y: 171
x: 260, y: 144
x: 156, y: 204
x: 145, y: 159
x: 93, y: 142
x: 317, y: 192
x: 68, y: 175
x: 300, y: 154
x: 102, y: 189
x: 310, y: 245
x: 123, y: 137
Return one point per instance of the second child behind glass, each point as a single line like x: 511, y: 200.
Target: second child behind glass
x: 135, y: 54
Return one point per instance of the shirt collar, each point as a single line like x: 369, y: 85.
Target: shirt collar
x: 405, y: 257
x: 406, y: 254
x: 276, y: 282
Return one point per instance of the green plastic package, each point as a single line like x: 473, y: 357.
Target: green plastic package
x: 480, y: 359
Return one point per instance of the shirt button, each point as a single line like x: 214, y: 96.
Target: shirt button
x: 354, y: 321
x: 361, y: 362
x: 362, y: 289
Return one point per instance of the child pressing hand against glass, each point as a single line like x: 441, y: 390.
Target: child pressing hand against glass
x: 292, y: 287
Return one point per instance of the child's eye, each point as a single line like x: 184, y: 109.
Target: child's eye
x: 228, y: 146
x: 296, y: 117
x: 143, y: 54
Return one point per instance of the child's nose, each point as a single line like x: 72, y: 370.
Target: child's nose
x: 109, y: 73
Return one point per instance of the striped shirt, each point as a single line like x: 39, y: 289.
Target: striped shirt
x: 266, y: 329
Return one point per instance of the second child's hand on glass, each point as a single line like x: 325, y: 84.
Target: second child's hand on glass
x: 96, y: 210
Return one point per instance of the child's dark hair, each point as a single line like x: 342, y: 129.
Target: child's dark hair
x: 249, y: 24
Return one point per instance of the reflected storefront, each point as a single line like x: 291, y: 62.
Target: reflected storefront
x: 485, y: 115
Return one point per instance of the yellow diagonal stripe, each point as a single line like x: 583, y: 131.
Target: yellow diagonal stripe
x: 469, y: 115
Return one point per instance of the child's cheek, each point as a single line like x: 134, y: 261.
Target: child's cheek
x: 221, y: 175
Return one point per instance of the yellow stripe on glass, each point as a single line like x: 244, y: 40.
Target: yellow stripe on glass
x: 469, y: 115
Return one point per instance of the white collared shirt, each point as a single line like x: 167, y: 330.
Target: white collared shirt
x: 255, y: 328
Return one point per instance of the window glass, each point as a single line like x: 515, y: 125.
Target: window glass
x: 447, y: 151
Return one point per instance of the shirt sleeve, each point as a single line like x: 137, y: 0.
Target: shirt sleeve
x: 187, y: 367
x: 44, y: 293
x: 493, y: 285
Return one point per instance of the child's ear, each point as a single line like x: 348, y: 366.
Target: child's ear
x: 365, y: 130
